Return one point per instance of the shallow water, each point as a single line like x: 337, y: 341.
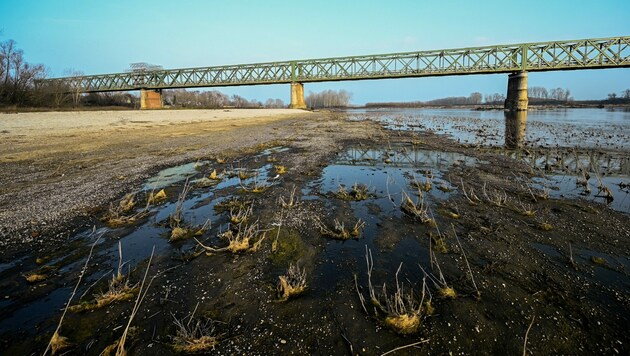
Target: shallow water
x: 579, y: 128
x: 561, y: 144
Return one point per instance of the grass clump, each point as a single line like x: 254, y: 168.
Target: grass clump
x: 157, y: 198
x: 438, y: 242
x: 358, y: 192
x: 290, y: 202
x: 598, y: 260
x: 402, y: 311
x: 118, y: 214
x: 241, y: 215
x: 179, y: 229
x: 280, y: 169
x: 292, y: 283
x: 35, y: 277
x: 194, y: 336
x: 244, y: 238
x: 58, y: 343
x: 339, y: 231
x: 545, y: 226
x: 119, y: 289
x: 418, y: 210
x: 421, y: 186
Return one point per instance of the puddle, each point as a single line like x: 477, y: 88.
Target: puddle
x: 566, y: 186
x: 172, y: 175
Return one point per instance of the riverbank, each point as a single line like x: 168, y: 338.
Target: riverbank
x: 486, y: 252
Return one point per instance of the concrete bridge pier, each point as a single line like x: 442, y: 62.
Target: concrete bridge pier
x: 517, y: 92
x: 297, y: 96
x: 515, y: 128
x: 150, y: 99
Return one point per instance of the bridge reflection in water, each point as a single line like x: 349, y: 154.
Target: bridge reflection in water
x: 515, y: 127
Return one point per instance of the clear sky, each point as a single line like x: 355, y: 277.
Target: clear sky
x: 106, y: 36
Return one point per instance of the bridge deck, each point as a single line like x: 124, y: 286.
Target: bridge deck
x: 611, y: 52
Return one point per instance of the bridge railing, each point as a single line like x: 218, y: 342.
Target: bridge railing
x: 539, y: 56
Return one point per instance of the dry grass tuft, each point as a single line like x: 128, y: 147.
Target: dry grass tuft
x: 448, y: 292
x: 438, y: 242
x: 598, y: 260
x: 357, y: 193
x: 291, y: 284
x: 280, y: 169
x: 214, y: 175
x: 339, y: 231
x: 156, y: 198
x: 35, y: 277
x: 241, y: 215
x: 58, y: 343
x: 117, y: 214
x: 291, y: 202
x: 401, y: 311
x: 245, y: 238
x: 545, y: 226
x: 232, y: 204
x: 418, y: 210
x: 194, y: 336
x: 119, y: 289
x: 421, y: 186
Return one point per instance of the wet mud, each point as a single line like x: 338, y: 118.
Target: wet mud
x: 403, y: 238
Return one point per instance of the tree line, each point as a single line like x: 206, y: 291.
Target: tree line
x: 328, y: 99
x: 19, y: 88
x: 213, y: 99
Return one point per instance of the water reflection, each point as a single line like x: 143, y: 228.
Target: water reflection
x: 515, y: 125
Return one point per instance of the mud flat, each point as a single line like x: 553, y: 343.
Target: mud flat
x: 277, y: 235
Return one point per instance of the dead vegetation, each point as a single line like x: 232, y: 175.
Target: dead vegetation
x: 402, y: 311
x: 420, y: 185
x: 119, y: 289
x: 292, y: 283
x: 57, y: 342
x: 241, y: 238
x: 196, y: 335
x: 357, y: 192
x: 119, y: 214
x: 291, y: 201
x: 418, y: 210
x: 180, y: 230
x: 156, y: 198
x: 339, y: 231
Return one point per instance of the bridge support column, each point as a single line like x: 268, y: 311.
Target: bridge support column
x: 517, y: 92
x: 515, y: 128
x: 297, y: 96
x: 150, y: 99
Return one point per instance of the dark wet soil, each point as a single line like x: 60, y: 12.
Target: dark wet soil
x: 560, y: 261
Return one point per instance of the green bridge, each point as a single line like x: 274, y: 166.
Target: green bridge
x: 515, y: 59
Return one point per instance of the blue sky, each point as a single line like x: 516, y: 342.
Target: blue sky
x: 106, y: 36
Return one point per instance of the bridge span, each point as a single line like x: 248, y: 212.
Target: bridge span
x: 515, y: 59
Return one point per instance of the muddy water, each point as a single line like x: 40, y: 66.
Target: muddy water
x: 566, y: 262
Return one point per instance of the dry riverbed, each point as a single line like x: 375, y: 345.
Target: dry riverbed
x: 484, y: 259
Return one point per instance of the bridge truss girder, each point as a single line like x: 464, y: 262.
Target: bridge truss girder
x: 611, y: 52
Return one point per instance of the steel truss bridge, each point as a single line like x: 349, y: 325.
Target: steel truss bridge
x: 594, y: 53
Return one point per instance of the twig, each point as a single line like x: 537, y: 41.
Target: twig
x: 526, y: 334
x: 74, y: 291
x: 466, y: 260
x: 405, y: 346
x: 120, y: 351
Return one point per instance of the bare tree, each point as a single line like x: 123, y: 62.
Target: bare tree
x: 328, y: 98
x: 75, y: 85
